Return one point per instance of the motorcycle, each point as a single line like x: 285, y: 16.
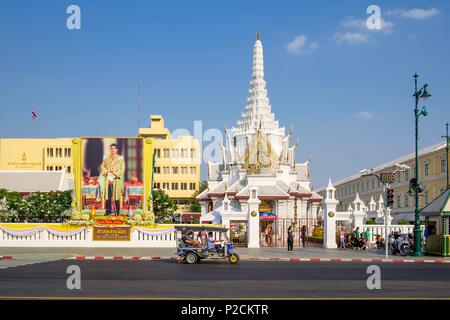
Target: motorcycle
x: 401, y: 243
x: 356, y: 243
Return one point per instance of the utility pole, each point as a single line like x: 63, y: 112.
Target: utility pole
x: 446, y: 154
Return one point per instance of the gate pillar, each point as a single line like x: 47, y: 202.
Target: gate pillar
x: 329, y: 217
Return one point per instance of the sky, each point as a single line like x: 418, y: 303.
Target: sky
x: 346, y: 90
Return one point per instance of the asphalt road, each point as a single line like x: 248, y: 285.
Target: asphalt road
x: 170, y: 279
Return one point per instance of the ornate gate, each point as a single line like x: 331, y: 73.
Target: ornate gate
x: 308, y: 232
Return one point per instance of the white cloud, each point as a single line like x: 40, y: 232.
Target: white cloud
x: 366, y: 115
x: 352, y: 38
x: 361, y: 24
x: 300, y: 45
x: 415, y: 13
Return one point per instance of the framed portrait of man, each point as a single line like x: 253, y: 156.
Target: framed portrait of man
x: 112, y: 179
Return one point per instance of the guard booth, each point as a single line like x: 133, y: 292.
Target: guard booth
x: 437, y: 215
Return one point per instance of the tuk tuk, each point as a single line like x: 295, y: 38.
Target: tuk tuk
x: 192, y: 245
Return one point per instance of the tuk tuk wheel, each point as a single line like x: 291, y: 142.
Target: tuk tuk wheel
x: 191, y: 258
x: 233, y: 258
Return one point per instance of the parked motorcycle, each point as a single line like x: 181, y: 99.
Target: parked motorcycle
x: 379, y: 242
x: 356, y: 243
x: 401, y: 243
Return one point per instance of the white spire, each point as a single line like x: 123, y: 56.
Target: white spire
x: 258, y: 111
x: 258, y: 60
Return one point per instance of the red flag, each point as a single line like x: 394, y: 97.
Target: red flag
x: 33, y: 114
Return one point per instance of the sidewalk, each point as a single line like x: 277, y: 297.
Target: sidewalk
x: 314, y: 254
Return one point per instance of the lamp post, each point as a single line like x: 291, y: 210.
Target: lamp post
x: 418, y: 94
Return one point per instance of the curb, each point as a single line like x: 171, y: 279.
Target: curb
x: 251, y: 258
x: 6, y: 257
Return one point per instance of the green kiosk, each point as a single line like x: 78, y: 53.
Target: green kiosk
x: 437, y: 215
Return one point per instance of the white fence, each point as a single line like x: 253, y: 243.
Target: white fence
x: 379, y: 229
x: 39, y: 236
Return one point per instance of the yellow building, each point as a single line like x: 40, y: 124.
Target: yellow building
x: 432, y: 177
x: 177, y: 166
x: 36, y: 154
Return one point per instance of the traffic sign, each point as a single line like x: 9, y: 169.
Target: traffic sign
x: 386, y: 177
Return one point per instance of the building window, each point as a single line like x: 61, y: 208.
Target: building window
x: 175, y: 170
x: 184, y: 170
x: 192, y: 186
x: 406, y: 175
x: 406, y: 200
x: 184, y: 153
x: 156, y: 185
x: 399, y: 205
x: 157, y: 170
x: 183, y: 186
x: 174, y: 186
x: 426, y: 197
x: 166, y: 170
x: 174, y: 153
x: 373, y: 184
x: 69, y: 169
x: 166, y: 153
x: 193, y: 153
x: 426, y: 168
x: 158, y: 153
x: 165, y: 186
x: 193, y: 170
x: 398, y: 177
x: 49, y: 152
x: 443, y: 166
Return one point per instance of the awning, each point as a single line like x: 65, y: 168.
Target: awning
x: 267, y: 216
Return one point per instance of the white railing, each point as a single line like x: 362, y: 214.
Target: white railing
x: 379, y: 229
x: 46, y: 238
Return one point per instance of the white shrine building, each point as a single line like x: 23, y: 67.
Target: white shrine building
x: 258, y: 181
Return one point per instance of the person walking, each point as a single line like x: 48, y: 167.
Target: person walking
x: 303, y: 235
x: 367, y: 236
x: 341, y: 238
x: 269, y: 235
x: 290, y: 239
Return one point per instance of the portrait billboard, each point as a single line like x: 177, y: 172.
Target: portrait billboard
x: 112, y: 175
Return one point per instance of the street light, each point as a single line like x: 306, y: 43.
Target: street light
x: 422, y: 93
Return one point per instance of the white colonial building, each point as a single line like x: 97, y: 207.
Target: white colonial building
x: 258, y: 184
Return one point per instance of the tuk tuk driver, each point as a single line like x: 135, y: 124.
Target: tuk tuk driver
x: 212, y: 245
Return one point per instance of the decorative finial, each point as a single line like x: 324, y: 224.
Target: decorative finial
x: 258, y: 35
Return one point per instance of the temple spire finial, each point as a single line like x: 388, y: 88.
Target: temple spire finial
x: 258, y: 35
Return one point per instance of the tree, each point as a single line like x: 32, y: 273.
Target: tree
x: 163, y: 207
x: 194, y: 205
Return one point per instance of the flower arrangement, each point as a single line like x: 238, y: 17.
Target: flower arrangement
x: 145, y: 219
x: 78, y: 219
x: 110, y: 219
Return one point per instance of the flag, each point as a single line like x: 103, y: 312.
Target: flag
x: 33, y: 114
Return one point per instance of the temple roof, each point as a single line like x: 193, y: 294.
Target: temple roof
x: 267, y: 192
x: 35, y: 181
x: 438, y: 206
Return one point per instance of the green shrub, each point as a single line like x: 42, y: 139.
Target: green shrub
x: 38, y: 207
